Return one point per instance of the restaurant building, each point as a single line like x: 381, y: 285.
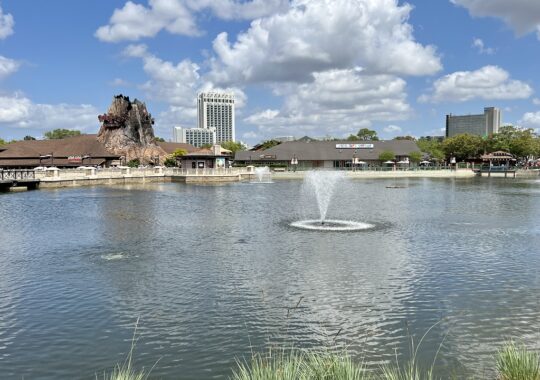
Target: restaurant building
x: 328, y: 154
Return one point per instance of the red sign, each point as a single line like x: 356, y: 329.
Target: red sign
x: 75, y: 159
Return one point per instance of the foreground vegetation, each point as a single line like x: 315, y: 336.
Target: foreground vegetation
x: 513, y: 362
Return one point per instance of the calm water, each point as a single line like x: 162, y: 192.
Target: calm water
x: 213, y: 270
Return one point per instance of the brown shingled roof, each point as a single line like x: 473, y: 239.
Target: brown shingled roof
x: 170, y: 147
x: 70, y: 146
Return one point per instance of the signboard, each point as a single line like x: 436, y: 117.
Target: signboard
x: 220, y: 162
x: 268, y: 156
x: 354, y: 146
x: 75, y: 159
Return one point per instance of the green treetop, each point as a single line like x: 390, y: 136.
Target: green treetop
x: 233, y: 146
x: 61, y: 134
x: 366, y: 134
x: 415, y: 157
x: 463, y: 146
x: 387, y: 155
x: 269, y: 144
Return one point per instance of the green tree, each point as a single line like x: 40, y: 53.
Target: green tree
x: 415, y: 157
x: 463, y: 146
x: 29, y: 138
x: 2, y: 142
x: 160, y: 139
x: 233, y: 146
x: 134, y: 163
x: 170, y: 162
x: 269, y: 144
x: 353, y: 138
x: 432, y: 147
x: 387, y: 155
x: 179, y: 153
x: 61, y: 134
x: 172, y: 159
x: 410, y: 138
x: 366, y: 134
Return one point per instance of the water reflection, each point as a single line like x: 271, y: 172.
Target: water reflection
x: 211, y: 270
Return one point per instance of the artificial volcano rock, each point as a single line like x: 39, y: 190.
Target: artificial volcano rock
x: 126, y: 130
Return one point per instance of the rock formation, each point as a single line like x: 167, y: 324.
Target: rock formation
x: 126, y: 130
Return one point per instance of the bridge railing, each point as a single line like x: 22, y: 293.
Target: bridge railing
x: 17, y: 175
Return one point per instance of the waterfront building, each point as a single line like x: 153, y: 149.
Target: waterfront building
x: 327, y: 154
x: 194, y: 136
x: 208, y: 158
x: 485, y: 124
x: 70, y: 152
x: 83, y: 150
x: 216, y: 110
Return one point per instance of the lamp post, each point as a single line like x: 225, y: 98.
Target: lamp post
x: 294, y: 162
x: 83, y: 157
x: 354, y: 161
x: 44, y: 156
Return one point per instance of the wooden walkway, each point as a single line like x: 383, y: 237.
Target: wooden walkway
x: 18, y: 178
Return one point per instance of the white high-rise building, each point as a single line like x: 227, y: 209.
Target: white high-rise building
x: 216, y: 110
x: 194, y: 136
x: 485, y: 124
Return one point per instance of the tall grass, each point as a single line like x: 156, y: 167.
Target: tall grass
x: 517, y: 363
x: 126, y: 371
x: 298, y: 365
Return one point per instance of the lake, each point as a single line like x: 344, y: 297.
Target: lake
x: 214, y: 272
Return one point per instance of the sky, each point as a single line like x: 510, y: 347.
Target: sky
x: 296, y: 67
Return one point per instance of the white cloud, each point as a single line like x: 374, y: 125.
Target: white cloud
x: 489, y: 82
x: 19, y: 111
x: 522, y: 15
x: 119, y: 82
x: 7, y: 66
x: 337, y: 102
x: 136, y: 21
x: 478, y: 43
x: 392, y: 129
x: 6, y: 24
x: 177, y: 85
x: 530, y: 120
x: 320, y: 35
x: 536, y: 101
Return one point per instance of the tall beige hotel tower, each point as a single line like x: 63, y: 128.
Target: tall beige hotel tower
x: 216, y: 110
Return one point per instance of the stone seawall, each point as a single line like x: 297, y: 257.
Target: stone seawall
x: 371, y: 174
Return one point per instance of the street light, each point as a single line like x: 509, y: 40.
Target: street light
x: 294, y: 162
x: 44, y: 156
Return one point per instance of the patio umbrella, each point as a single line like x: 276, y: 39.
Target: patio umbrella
x: 389, y: 162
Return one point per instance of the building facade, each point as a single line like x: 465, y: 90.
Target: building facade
x: 328, y: 154
x: 485, y: 124
x: 194, y: 136
x: 216, y: 110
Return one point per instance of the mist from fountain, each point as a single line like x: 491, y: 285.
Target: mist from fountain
x: 263, y: 175
x: 322, y: 184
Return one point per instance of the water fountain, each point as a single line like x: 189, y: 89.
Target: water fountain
x: 263, y: 175
x: 323, y: 184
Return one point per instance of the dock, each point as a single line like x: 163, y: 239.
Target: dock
x: 496, y: 172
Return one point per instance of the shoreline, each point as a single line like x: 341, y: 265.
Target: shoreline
x: 108, y: 177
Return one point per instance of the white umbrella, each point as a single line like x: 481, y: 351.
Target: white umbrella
x: 361, y: 162
x: 425, y: 162
x: 403, y: 162
x: 389, y: 162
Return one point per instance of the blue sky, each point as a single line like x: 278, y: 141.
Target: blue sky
x: 300, y: 67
